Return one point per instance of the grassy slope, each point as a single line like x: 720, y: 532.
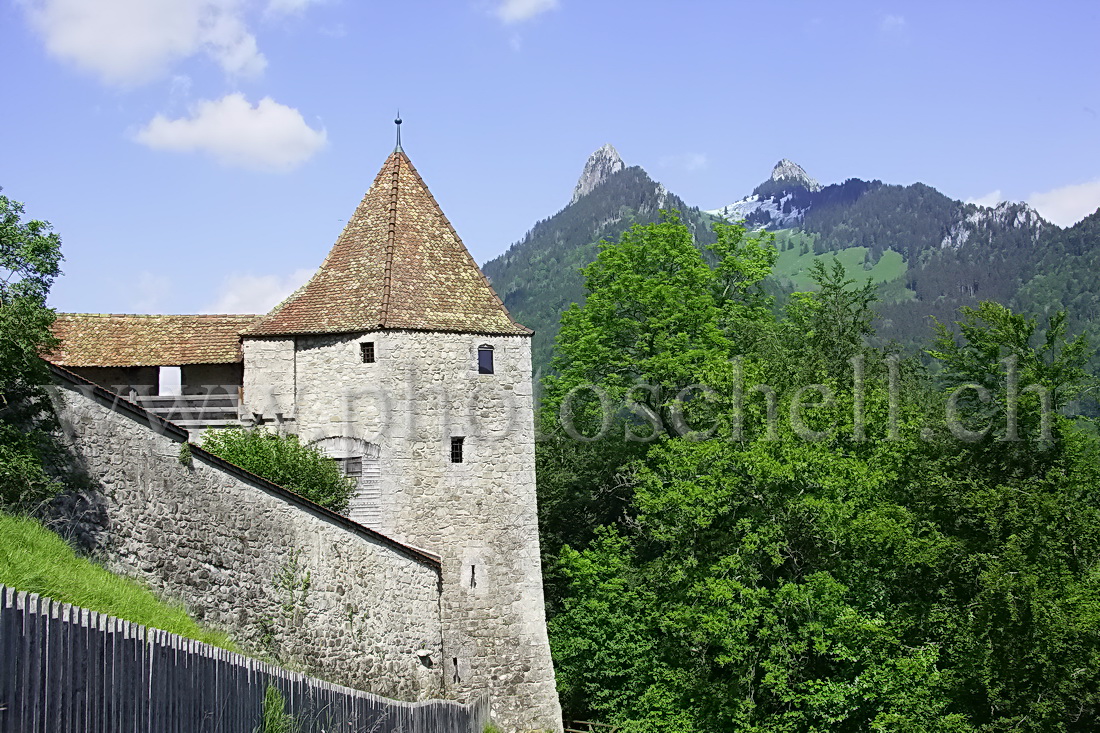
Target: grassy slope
x: 36, y: 560
x: 793, y: 268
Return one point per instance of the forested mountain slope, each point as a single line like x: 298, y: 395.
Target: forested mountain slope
x: 940, y: 253
x: 954, y: 253
x: 539, y: 276
x: 1064, y: 276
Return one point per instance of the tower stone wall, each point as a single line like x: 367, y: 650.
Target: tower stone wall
x: 269, y: 377
x: 479, y: 515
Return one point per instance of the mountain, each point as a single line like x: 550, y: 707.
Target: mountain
x: 539, y: 276
x: 601, y: 165
x: 780, y: 201
x: 945, y: 253
x: 1064, y: 277
x: 929, y: 254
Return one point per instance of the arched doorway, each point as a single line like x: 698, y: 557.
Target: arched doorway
x: 359, y: 460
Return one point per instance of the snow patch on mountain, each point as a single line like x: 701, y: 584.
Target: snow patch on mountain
x: 777, y: 203
x: 759, y: 208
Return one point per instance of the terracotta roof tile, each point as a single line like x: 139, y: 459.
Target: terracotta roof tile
x: 112, y: 340
x: 398, y: 264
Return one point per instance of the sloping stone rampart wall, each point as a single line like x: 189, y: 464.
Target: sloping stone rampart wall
x: 282, y: 576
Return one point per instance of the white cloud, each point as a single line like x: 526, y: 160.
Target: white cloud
x: 256, y: 293
x: 1067, y: 205
x: 130, y: 42
x: 267, y: 137
x: 517, y: 11
x: 686, y: 161
x: 233, y: 47
x: 991, y: 199
x: 892, y: 24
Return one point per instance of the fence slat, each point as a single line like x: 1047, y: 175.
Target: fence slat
x: 9, y: 663
x: 109, y: 711
x: 52, y: 664
x: 30, y: 662
x: 64, y: 668
x: 100, y: 690
x: 74, y: 674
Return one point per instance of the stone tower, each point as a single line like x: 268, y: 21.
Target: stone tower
x: 399, y: 360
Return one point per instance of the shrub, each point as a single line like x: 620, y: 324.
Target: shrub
x: 285, y: 461
x: 24, y: 485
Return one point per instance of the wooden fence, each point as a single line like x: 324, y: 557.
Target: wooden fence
x: 65, y: 669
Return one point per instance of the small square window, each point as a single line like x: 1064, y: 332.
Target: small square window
x: 485, y: 360
x: 456, y: 450
x: 351, y: 466
x: 367, y: 350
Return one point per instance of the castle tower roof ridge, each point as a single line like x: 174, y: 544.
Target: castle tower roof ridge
x: 398, y: 264
x: 391, y: 234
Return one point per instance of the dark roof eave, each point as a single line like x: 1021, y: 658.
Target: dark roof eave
x: 66, y: 363
x: 379, y: 329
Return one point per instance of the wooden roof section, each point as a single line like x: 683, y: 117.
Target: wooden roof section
x: 122, y: 340
x: 398, y: 264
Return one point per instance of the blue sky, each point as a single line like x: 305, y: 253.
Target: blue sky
x: 202, y: 155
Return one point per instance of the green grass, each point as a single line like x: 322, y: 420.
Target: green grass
x: 36, y: 560
x: 793, y: 267
x: 275, y: 717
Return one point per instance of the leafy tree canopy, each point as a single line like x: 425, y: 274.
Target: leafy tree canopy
x: 827, y: 555
x: 285, y: 461
x: 30, y: 257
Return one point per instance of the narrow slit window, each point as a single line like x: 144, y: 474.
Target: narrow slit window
x: 485, y: 360
x: 367, y: 350
x: 456, y: 449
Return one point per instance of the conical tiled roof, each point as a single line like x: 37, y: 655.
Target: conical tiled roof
x: 398, y: 264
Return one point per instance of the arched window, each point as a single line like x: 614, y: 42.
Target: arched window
x: 359, y: 460
x: 485, y: 359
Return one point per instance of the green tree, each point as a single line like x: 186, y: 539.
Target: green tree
x: 30, y: 257
x: 285, y: 461
x: 648, y: 329
x: 825, y: 328
x: 1021, y: 498
x: 858, y: 568
x: 744, y: 263
x: 650, y: 316
x: 1023, y: 374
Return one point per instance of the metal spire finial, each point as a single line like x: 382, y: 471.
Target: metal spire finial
x: 398, y: 123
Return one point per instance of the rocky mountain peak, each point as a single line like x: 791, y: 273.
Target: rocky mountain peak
x: 601, y: 164
x: 787, y: 171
